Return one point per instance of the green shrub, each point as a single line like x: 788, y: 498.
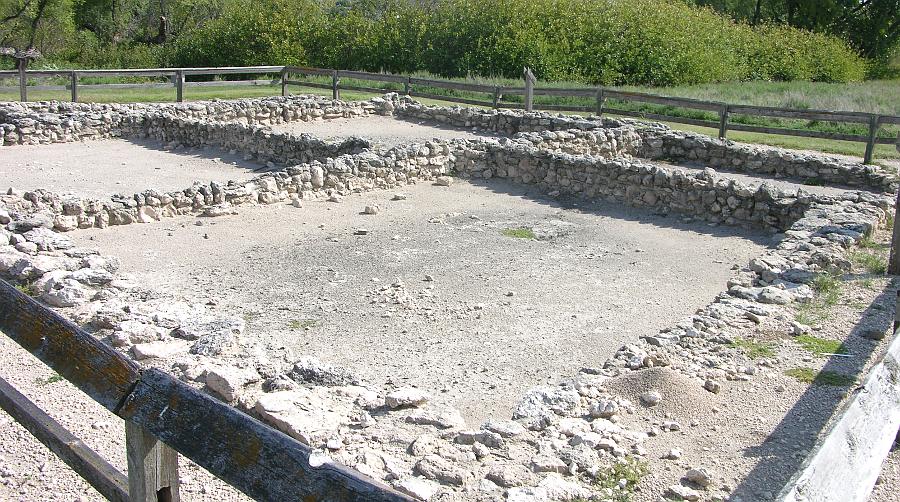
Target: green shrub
x: 655, y: 42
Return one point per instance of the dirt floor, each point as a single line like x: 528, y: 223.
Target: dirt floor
x: 499, y: 314
x: 386, y: 131
x: 102, y: 168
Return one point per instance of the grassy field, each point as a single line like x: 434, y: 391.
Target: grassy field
x: 873, y: 96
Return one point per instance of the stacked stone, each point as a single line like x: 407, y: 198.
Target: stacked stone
x: 705, y: 195
x: 56, y: 122
x: 662, y: 143
x: 602, y: 142
x: 507, y: 122
x: 256, y: 141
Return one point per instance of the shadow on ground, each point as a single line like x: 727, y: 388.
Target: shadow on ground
x: 620, y: 211
x: 784, y: 450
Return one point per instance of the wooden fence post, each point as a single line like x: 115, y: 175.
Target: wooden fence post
x: 407, y: 86
x: 894, y: 260
x: 870, y: 143
x: 600, y: 100
x: 723, y: 121
x: 74, y: 77
x: 152, y: 467
x: 179, y: 86
x: 496, y: 100
x: 529, y: 90
x: 896, y: 313
x: 283, y: 78
x: 335, y: 83
x: 23, y: 82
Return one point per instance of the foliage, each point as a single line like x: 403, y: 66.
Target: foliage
x: 872, y: 263
x: 631, y: 469
x: 655, y: 42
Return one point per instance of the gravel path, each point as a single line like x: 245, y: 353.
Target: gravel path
x: 386, y: 131
x: 501, y: 315
x: 103, y: 168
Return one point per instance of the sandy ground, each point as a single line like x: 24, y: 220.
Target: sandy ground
x: 102, y: 168
x: 386, y: 131
x: 501, y: 315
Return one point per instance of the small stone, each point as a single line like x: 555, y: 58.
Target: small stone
x: 429, y: 278
x: 712, y: 386
x: 673, y: 454
x: 443, y: 181
x: 419, y: 488
x: 700, y: 476
x: 651, y: 398
x: 371, y: 209
x: 334, y: 444
x: 798, y: 328
x: 408, y: 396
x: 548, y: 463
x: 158, y: 349
x: 361, y: 231
x: 682, y: 492
x: 399, y: 196
x: 506, y: 428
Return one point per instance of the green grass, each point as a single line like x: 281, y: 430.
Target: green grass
x: 828, y: 287
x: 872, y: 263
x: 631, y: 469
x: 820, y: 346
x: 828, y: 293
x: 519, y: 233
x: 753, y: 350
x: 303, y: 323
x: 811, y: 376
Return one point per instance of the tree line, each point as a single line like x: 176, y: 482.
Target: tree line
x: 657, y: 42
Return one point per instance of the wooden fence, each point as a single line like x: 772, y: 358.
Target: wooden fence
x: 164, y: 417
x: 493, y: 97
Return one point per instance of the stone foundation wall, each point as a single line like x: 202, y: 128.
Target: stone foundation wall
x: 705, y: 195
x: 662, y: 143
x: 254, y: 141
x: 59, y: 122
x: 332, y: 177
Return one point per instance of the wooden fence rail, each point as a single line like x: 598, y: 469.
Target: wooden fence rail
x: 418, y: 87
x: 164, y: 417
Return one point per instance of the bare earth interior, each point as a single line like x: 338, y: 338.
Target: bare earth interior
x: 499, y: 314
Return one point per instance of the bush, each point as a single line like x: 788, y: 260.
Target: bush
x: 640, y: 42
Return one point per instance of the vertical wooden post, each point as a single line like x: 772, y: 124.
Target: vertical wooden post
x: 870, y: 143
x: 896, y: 313
x: 407, y: 86
x: 894, y: 260
x: 600, y: 100
x: 335, y: 85
x: 179, y: 86
x: 723, y: 121
x: 74, y: 77
x: 529, y: 90
x: 23, y: 65
x: 283, y: 78
x: 496, y: 99
x: 152, y: 467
